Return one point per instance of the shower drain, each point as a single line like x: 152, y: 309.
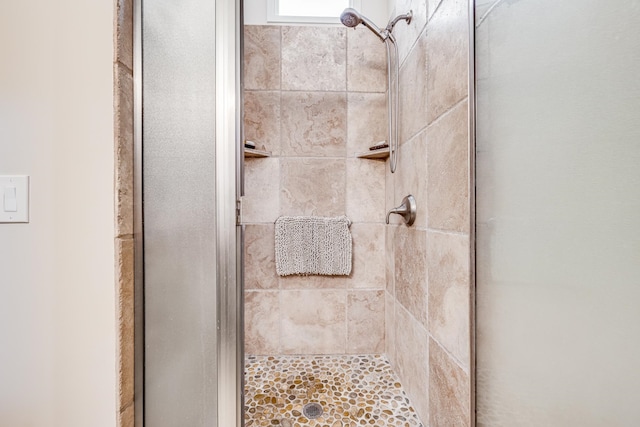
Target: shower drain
x: 312, y: 410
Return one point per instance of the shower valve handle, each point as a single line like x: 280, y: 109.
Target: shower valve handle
x: 407, y: 210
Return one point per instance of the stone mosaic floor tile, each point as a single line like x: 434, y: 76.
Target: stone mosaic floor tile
x: 325, y: 391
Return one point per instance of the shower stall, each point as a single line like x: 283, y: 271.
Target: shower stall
x: 315, y: 97
x: 508, y: 300
x: 227, y: 340
x: 389, y: 344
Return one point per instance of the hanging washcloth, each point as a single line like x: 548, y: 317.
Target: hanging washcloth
x: 313, y: 245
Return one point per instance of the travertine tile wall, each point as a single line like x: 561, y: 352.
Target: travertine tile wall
x: 314, y: 96
x: 428, y: 269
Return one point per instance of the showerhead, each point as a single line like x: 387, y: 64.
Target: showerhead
x: 352, y: 18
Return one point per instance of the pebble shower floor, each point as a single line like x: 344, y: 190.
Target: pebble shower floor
x: 353, y: 391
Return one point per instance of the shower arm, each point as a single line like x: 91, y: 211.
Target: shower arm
x: 387, y: 32
x: 392, y: 23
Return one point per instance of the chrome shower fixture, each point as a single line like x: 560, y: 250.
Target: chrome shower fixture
x: 407, y: 210
x: 352, y: 18
x: 392, y: 23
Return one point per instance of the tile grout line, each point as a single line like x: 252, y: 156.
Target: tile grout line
x: 449, y: 232
x: 449, y: 110
x: 457, y: 362
x: 435, y: 121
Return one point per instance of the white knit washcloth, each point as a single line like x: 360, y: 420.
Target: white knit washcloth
x: 313, y: 245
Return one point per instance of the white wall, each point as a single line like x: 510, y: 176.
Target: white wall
x: 57, y: 308
x: 255, y: 11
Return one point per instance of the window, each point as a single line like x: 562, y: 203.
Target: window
x: 312, y: 11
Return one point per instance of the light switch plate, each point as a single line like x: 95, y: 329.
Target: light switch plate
x: 18, y: 209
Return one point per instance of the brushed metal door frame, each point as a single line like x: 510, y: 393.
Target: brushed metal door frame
x: 228, y: 192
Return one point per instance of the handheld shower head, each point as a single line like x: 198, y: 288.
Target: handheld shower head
x: 352, y: 18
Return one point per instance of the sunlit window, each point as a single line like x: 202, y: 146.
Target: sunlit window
x: 320, y: 11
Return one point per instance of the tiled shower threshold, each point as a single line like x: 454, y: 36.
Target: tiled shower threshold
x: 325, y: 391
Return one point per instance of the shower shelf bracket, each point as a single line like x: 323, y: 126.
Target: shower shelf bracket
x: 252, y: 152
x: 381, y: 154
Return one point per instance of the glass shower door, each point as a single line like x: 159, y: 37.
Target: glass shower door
x: 558, y: 203
x: 192, y: 330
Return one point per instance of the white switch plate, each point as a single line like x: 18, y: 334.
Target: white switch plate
x: 21, y: 184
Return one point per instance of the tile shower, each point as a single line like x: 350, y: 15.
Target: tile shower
x: 315, y: 96
x: 305, y: 127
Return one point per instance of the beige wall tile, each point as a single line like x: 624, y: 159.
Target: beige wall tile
x: 408, y: 34
x: 367, y: 121
x: 448, y: 269
x: 124, y: 243
x: 261, y: 202
x: 314, y: 58
x: 448, y: 172
x: 125, y: 295
x: 259, y: 257
x: 366, y: 62
x: 410, y: 271
x: 123, y: 111
x: 126, y: 416
x: 124, y: 34
x: 449, y: 389
x: 262, y: 119
x: 365, y: 190
x: 433, y: 6
x: 390, y: 328
x: 313, y: 187
x: 313, y: 282
x: 447, y: 57
x: 390, y: 258
x: 365, y: 322
x: 314, y: 124
x: 411, y: 177
x: 262, y: 322
x: 368, y: 256
x: 313, y: 322
x: 412, y: 354
x: 262, y: 57
x: 413, y: 92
